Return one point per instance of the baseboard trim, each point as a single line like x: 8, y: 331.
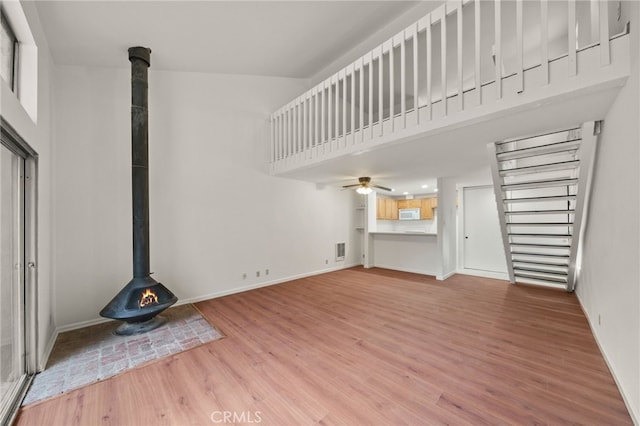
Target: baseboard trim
x: 81, y: 324
x: 95, y: 321
x: 263, y: 284
x: 485, y: 274
x: 634, y: 417
x: 43, y: 359
x: 447, y: 275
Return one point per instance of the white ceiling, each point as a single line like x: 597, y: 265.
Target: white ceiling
x: 271, y: 38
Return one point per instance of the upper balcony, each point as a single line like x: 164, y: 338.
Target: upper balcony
x: 466, y: 62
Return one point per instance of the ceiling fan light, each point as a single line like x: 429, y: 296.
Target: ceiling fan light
x: 364, y: 190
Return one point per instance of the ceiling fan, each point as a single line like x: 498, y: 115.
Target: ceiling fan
x: 365, y: 186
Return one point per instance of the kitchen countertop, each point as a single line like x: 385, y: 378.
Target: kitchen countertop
x: 430, y: 234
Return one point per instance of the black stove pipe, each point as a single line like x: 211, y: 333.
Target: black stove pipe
x: 143, y: 298
x: 140, y: 62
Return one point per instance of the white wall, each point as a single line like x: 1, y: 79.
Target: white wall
x: 609, y: 282
x: 447, y: 227
x: 215, y: 213
x: 405, y: 252
x: 37, y: 135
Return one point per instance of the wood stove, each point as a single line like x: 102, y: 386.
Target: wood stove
x: 143, y: 298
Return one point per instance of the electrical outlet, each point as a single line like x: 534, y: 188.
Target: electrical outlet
x: 257, y: 273
x: 266, y: 272
x: 326, y: 261
x: 244, y: 276
x: 599, y: 320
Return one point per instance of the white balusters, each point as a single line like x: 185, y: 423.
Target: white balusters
x: 353, y: 105
x: 458, y: 9
x: 478, y: 76
x: 344, y: 106
x: 316, y: 117
x: 544, y: 41
x: 403, y: 81
x: 443, y: 60
x: 519, y: 59
x: 429, y: 52
x: 497, y: 47
x: 380, y: 90
x: 605, y: 54
x: 369, y: 59
x: 336, y: 119
x: 360, y: 66
x: 392, y: 89
x: 416, y: 107
x: 323, y: 116
x: 571, y: 29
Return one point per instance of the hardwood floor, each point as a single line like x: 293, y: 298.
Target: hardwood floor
x: 368, y: 347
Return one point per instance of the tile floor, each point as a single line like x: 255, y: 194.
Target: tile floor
x: 83, y: 356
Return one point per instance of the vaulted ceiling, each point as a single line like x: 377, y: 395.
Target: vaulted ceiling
x: 270, y: 38
x: 277, y: 38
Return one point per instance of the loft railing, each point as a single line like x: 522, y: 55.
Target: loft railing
x: 464, y: 54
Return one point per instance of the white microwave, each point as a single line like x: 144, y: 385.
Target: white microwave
x: 409, y: 214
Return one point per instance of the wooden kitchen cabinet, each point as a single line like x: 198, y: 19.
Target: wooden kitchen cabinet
x: 434, y: 202
x: 386, y: 208
x: 391, y: 209
x: 379, y: 208
x: 426, y: 211
x: 409, y: 204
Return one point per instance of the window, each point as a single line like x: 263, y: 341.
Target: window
x: 9, y: 54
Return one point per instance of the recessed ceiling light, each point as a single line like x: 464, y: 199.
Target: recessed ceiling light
x: 436, y: 190
x: 405, y: 193
x: 425, y: 186
x: 392, y: 189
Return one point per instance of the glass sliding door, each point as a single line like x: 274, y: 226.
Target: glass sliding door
x: 12, y: 361
x: 15, y: 368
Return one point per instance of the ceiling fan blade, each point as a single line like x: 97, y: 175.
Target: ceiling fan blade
x: 351, y: 186
x: 382, y: 187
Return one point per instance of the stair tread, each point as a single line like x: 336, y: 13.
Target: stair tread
x: 533, y: 212
x: 542, y: 283
x: 544, y: 269
x: 557, y: 256
x: 543, y: 273
x: 544, y: 198
x: 534, y: 262
x: 537, y: 277
x: 539, y: 183
x: 545, y: 149
x: 541, y: 245
x: 535, y: 224
x: 538, y: 136
x: 562, y: 165
x: 518, y: 234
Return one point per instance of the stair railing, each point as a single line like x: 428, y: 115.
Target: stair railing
x: 456, y: 58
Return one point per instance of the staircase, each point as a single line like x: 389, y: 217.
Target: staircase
x: 542, y: 185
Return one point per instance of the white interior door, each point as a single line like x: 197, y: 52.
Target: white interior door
x: 483, y: 247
